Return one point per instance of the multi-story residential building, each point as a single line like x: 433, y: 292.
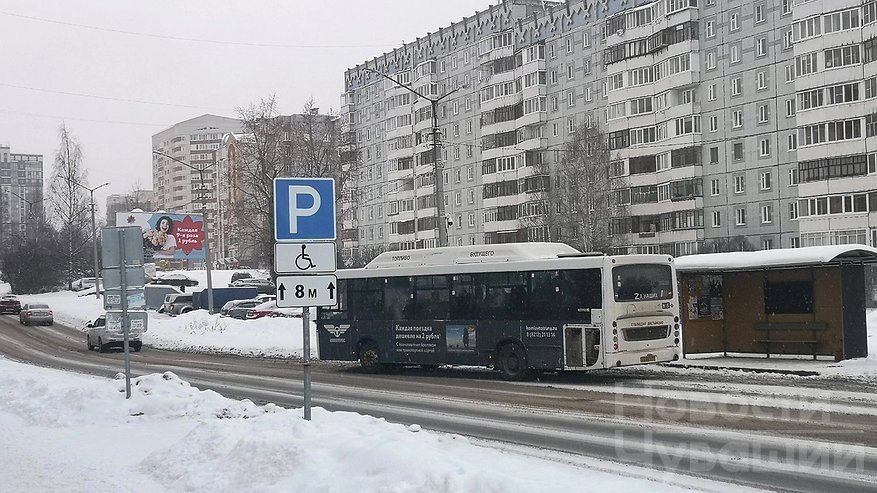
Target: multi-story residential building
x: 178, y: 187
x: 21, y: 193
x: 715, y: 143
x: 835, y: 47
x: 136, y: 199
x: 303, y: 145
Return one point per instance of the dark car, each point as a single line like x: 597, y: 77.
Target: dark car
x: 237, y: 276
x: 10, y: 304
x: 263, y: 286
x: 178, y: 280
x: 238, y: 308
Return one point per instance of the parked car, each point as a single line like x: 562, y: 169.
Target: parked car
x: 238, y: 308
x: 83, y: 283
x: 237, y: 276
x: 263, y: 310
x: 179, y: 280
x: 262, y: 298
x: 175, y: 304
x: 286, y: 313
x: 99, y: 336
x: 264, y: 286
x: 9, y: 304
x: 35, y: 313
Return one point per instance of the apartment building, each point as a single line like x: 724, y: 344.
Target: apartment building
x: 835, y: 47
x: 180, y: 151
x: 136, y: 199
x: 21, y: 193
x: 703, y: 103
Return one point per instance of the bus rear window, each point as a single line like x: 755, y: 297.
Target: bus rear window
x: 642, y: 282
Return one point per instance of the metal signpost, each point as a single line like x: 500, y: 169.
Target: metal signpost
x: 124, y: 281
x: 304, y: 228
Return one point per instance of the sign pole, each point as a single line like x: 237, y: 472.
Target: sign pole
x: 306, y: 323
x: 123, y: 267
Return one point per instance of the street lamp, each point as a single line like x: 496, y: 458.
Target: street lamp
x: 437, y: 163
x: 30, y: 204
x: 94, y: 233
x: 200, y: 170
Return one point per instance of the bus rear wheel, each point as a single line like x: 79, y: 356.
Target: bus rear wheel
x: 512, y: 362
x: 369, y: 357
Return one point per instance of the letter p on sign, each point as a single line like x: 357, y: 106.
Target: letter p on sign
x: 304, y: 209
x: 295, y: 211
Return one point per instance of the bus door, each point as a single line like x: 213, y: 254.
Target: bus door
x: 582, y: 347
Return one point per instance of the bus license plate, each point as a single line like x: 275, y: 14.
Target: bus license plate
x: 648, y: 358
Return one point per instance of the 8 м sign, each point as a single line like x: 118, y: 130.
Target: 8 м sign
x: 301, y: 291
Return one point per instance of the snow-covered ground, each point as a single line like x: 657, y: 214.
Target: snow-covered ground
x: 66, y: 432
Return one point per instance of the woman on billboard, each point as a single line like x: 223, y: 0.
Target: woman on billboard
x: 161, y: 239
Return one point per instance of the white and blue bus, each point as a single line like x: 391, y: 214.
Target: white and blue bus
x: 516, y: 307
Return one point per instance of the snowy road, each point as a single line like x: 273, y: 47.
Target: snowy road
x: 765, y: 435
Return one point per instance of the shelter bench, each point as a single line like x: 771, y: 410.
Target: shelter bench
x: 789, y: 331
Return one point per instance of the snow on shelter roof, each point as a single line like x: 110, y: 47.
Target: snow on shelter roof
x: 781, y: 257
x: 504, y: 252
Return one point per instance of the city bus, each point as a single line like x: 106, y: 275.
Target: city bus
x: 515, y: 307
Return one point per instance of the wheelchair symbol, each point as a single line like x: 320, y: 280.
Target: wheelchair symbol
x: 303, y: 260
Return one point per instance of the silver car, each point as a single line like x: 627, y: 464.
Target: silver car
x: 99, y: 336
x: 35, y: 313
x: 175, y: 304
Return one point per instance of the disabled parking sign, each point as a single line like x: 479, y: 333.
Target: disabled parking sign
x: 304, y: 209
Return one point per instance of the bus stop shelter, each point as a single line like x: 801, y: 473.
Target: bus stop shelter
x: 786, y: 301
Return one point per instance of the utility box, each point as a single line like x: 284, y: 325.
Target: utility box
x: 222, y: 296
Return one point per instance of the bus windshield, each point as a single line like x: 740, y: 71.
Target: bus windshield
x: 642, y: 282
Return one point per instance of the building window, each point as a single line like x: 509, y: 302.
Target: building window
x: 717, y: 219
x: 793, y: 177
x: 736, y: 86
x: 767, y: 244
x: 714, y: 187
x: 737, y: 118
x: 759, y: 13
x: 709, y: 28
x: 711, y: 92
x: 793, y: 141
x: 714, y: 155
x: 739, y: 183
x: 761, y: 79
x: 735, y: 54
x: 763, y: 114
x: 740, y: 216
x: 765, y: 180
x: 793, y: 210
x: 735, y: 21
x: 738, y: 151
x: 761, y: 47
x: 764, y: 147
x: 766, y: 214
x: 714, y: 124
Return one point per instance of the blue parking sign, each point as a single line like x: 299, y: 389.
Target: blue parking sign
x: 304, y: 209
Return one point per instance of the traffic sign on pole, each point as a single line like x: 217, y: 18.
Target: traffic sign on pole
x: 304, y: 258
x: 305, y: 291
x: 304, y: 209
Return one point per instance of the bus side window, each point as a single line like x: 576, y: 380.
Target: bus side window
x: 505, y: 296
x: 581, y: 291
x: 397, y: 297
x: 463, y: 306
x: 338, y: 312
x: 544, y: 296
x: 366, y: 298
x: 431, y: 298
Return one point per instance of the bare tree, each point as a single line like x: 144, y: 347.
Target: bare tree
x: 68, y: 203
x: 276, y: 146
x: 577, y: 210
x: 732, y: 244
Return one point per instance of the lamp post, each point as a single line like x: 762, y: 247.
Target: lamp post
x: 94, y: 235
x: 30, y: 204
x: 437, y: 159
x: 207, y: 261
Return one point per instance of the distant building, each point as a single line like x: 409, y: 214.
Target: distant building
x: 731, y: 125
x: 137, y: 199
x: 177, y: 186
x: 21, y: 193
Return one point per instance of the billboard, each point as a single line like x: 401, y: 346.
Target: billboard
x: 167, y: 236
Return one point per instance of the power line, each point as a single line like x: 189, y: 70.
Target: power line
x: 186, y: 39
x: 72, y: 118
x: 107, y: 98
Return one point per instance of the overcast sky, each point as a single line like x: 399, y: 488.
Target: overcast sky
x: 117, y: 72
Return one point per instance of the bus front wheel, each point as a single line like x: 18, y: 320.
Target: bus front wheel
x: 512, y: 361
x: 369, y: 357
